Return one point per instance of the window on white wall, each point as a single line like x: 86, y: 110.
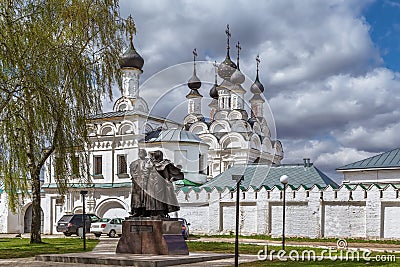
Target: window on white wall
x: 122, y: 165
x: 201, y: 164
x: 234, y: 102
x: 98, y: 165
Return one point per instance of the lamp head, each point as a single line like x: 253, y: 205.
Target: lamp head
x: 284, y: 179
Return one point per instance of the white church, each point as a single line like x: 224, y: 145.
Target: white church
x: 203, y: 148
x: 210, y: 148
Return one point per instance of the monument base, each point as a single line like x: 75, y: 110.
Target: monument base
x: 152, y: 236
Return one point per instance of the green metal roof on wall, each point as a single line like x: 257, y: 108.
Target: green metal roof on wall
x: 390, y: 159
x: 257, y: 176
x: 186, y: 182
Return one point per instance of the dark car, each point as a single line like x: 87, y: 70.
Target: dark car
x: 73, y: 224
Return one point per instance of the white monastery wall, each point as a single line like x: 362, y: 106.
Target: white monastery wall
x: 361, y: 212
x: 390, y: 214
x: 369, y: 212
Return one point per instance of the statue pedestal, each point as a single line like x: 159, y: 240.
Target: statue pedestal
x: 152, y: 236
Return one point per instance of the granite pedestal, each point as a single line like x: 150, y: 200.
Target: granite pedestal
x: 152, y: 236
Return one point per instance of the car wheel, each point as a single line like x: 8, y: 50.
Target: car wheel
x: 97, y: 235
x: 112, y: 233
x: 67, y: 234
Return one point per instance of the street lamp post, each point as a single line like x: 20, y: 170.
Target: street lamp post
x: 238, y: 179
x: 284, y: 180
x: 84, y: 193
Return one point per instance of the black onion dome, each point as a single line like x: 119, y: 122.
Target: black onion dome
x: 257, y: 87
x: 214, y: 92
x: 194, y: 82
x: 131, y: 59
x: 226, y: 68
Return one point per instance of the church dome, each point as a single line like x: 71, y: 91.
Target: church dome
x: 226, y: 68
x: 194, y: 82
x: 214, y: 91
x: 131, y: 59
x: 237, y: 77
x: 257, y: 87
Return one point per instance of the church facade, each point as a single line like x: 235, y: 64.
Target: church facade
x: 203, y: 149
x: 235, y: 138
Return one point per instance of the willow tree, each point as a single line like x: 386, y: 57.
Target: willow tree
x: 57, y: 59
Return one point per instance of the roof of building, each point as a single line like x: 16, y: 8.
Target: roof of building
x: 115, y: 114
x: 390, y: 159
x: 262, y: 175
x: 91, y: 185
x: 186, y: 182
x: 172, y: 135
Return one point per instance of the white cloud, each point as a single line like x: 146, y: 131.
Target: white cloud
x: 326, y: 154
x: 332, y: 99
x: 337, y: 103
x: 372, y: 139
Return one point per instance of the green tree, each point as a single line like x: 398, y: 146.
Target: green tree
x: 57, y: 59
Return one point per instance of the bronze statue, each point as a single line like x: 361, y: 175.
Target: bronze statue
x: 152, y: 189
x: 139, y: 175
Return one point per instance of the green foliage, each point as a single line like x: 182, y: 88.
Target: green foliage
x: 57, y: 59
x: 20, y: 247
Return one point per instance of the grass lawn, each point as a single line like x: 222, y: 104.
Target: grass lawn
x: 223, y: 247
x: 20, y: 247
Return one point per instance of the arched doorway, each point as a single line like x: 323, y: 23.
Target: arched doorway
x: 28, y: 219
x: 111, y: 209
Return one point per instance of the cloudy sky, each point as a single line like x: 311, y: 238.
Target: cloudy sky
x: 330, y: 68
